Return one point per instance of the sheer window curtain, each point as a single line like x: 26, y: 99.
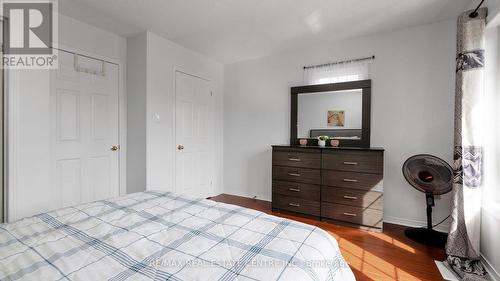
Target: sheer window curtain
x: 353, y: 70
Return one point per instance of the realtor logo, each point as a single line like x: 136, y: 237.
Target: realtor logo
x: 29, y: 28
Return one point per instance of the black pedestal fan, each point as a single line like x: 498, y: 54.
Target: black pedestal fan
x: 432, y: 176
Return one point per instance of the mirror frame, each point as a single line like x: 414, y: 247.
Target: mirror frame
x: 364, y: 85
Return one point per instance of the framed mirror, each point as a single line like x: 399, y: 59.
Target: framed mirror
x: 340, y: 111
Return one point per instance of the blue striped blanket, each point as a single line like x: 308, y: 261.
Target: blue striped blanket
x: 164, y: 236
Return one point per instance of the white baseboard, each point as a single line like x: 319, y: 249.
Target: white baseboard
x: 449, y: 275
x: 248, y: 195
x: 445, y: 271
x: 415, y: 223
x: 493, y: 273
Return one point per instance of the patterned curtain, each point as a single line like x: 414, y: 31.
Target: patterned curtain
x: 463, y: 240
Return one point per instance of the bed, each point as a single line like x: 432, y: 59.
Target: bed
x: 164, y: 236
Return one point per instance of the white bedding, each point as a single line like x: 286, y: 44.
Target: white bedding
x: 164, y: 236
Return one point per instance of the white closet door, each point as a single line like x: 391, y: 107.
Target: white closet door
x: 62, y: 126
x: 194, y: 123
x: 85, y: 130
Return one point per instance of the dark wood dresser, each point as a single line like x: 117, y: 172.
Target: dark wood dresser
x: 342, y: 185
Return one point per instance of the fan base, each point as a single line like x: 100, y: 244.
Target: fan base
x: 426, y: 236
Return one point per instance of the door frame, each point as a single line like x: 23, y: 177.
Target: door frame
x: 3, y: 188
x: 174, y: 125
x: 11, y: 93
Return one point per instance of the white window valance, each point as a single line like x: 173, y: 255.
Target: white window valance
x: 343, y: 71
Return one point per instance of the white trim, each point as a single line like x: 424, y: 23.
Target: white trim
x: 4, y: 143
x: 445, y: 271
x: 491, y: 270
x: 122, y: 109
x: 178, y: 69
x: 248, y: 195
x: 122, y: 120
x: 415, y: 223
x: 12, y: 119
x: 11, y: 147
x: 174, y: 133
x: 174, y: 130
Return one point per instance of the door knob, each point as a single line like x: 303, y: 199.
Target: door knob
x: 115, y: 147
x: 180, y: 147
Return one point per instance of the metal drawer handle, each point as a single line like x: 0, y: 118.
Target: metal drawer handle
x: 294, y: 159
x: 294, y: 175
x: 294, y: 189
x: 350, y: 197
x: 349, y: 180
x: 294, y: 205
x: 350, y: 163
x: 350, y: 214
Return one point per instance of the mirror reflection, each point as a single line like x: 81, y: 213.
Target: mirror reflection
x: 337, y: 114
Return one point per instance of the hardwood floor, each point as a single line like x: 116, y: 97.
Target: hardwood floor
x: 372, y: 256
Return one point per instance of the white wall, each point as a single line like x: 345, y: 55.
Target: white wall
x: 312, y: 110
x: 90, y: 39
x: 29, y: 91
x: 136, y: 112
x: 163, y: 59
x: 412, y: 110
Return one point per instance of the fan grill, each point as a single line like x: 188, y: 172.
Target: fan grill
x: 428, y: 174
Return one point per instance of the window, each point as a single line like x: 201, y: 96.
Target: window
x: 489, y: 126
x: 343, y: 71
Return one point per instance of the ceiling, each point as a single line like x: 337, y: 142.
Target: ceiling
x: 236, y: 30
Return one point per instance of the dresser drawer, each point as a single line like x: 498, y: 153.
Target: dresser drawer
x: 367, y: 217
x: 297, y: 159
x: 353, y: 197
x: 298, y: 190
x: 297, y: 205
x: 301, y: 175
x: 351, y: 179
x: 354, y: 161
